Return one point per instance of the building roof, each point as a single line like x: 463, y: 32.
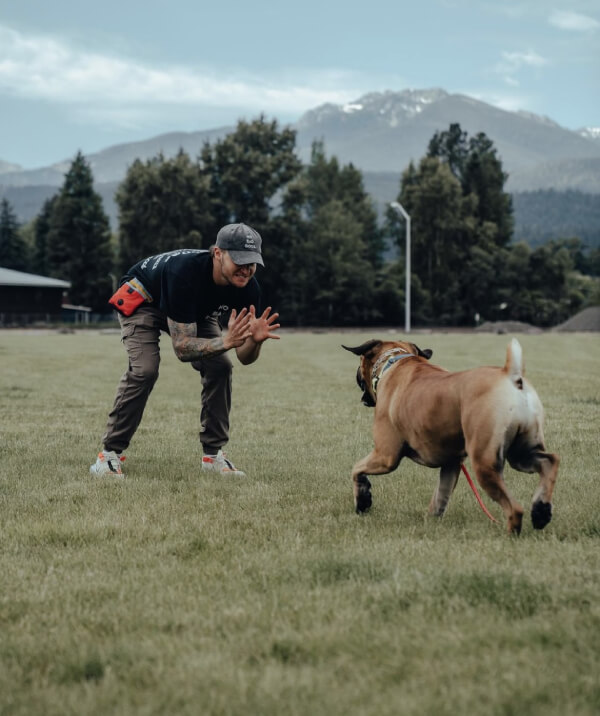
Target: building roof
x: 71, y: 307
x: 8, y: 277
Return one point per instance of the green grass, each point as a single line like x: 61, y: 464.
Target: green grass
x: 177, y: 593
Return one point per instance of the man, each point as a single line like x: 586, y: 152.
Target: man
x: 183, y: 293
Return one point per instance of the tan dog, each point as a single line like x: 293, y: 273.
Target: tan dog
x: 437, y: 418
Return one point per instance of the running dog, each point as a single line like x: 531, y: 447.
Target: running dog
x: 438, y: 418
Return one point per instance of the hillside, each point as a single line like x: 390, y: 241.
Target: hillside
x: 380, y: 133
x: 581, y: 174
x: 110, y: 165
x: 544, y: 214
x: 539, y: 215
x: 385, y: 131
x: 6, y: 167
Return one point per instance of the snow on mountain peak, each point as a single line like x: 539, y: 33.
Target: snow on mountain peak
x: 591, y: 133
x: 389, y: 107
x: 351, y: 107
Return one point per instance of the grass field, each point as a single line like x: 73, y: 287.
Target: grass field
x: 172, y: 592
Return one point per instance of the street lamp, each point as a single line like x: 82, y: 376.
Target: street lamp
x: 400, y: 209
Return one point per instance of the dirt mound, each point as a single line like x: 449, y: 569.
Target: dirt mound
x: 586, y: 320
x: 507, y: 327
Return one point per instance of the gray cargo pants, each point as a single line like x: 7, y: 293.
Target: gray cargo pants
x: 140, y: 334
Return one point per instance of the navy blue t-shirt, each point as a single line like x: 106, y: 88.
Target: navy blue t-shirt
x: 181, y: 285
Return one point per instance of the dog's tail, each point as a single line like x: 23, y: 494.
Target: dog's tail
x: 515, y: 366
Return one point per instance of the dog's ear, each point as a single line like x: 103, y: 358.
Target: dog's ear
x: 363, y: 348
x: 426, y: 353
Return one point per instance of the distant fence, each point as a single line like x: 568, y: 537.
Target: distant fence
x: 74, y: 316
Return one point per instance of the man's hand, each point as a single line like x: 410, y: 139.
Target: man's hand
x: 262, y: 327
x: 238, y: 328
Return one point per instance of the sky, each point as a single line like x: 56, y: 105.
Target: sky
x: 82, y: 76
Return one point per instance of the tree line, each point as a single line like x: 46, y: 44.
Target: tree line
x: 324, y: 245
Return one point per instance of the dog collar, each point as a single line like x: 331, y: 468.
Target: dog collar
x: 391, y: 359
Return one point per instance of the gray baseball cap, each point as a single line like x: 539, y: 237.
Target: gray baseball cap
x: 242, y: 242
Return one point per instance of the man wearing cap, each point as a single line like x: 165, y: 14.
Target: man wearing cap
x: 184, y: 293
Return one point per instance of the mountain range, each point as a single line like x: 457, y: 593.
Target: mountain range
x: 380, y: 133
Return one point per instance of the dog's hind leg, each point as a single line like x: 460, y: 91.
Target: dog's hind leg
x: 447, y: 482
x: 362, y: 492
x: 489, y: 472
x: 384, y: 458
x: 546, y: 465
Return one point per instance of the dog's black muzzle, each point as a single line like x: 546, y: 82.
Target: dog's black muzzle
x: 365, y: 398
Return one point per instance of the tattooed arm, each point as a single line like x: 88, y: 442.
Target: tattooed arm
x: 189, y: 347
x: 262, y: 328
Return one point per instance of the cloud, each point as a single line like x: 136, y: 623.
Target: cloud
x: 512, y: 63
x: 41, y: 67
x: 573, y: 21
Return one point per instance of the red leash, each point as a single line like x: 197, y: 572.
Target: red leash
x: 472, y: 486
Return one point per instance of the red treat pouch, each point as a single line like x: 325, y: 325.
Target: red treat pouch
x: 129, y: 297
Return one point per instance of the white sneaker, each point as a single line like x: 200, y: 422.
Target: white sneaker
x: 219, y: 463
x: 108, y: 463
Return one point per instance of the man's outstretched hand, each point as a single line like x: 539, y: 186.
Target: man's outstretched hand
x: 263, y: 327
x: 238, y: 329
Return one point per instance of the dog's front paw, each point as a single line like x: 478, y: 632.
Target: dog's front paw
x: 541, y: 514
x: 363, y: 499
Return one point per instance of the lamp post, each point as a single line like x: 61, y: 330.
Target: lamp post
x: 400, y: 209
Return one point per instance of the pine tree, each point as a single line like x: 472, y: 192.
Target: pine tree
x: 461, y: 220
x: 13, y: 250
x: 41, y: 227
x: 163, y: 205
x: 324, y: 181
x: 336, y: 279
x: 78, y: 239
x: 485, y: 178
x: 246, y: 170
x: 442, y: 234
x: 474, y: 162
x: 334, y: 244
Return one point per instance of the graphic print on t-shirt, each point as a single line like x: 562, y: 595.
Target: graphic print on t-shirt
x: 182, y: 286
